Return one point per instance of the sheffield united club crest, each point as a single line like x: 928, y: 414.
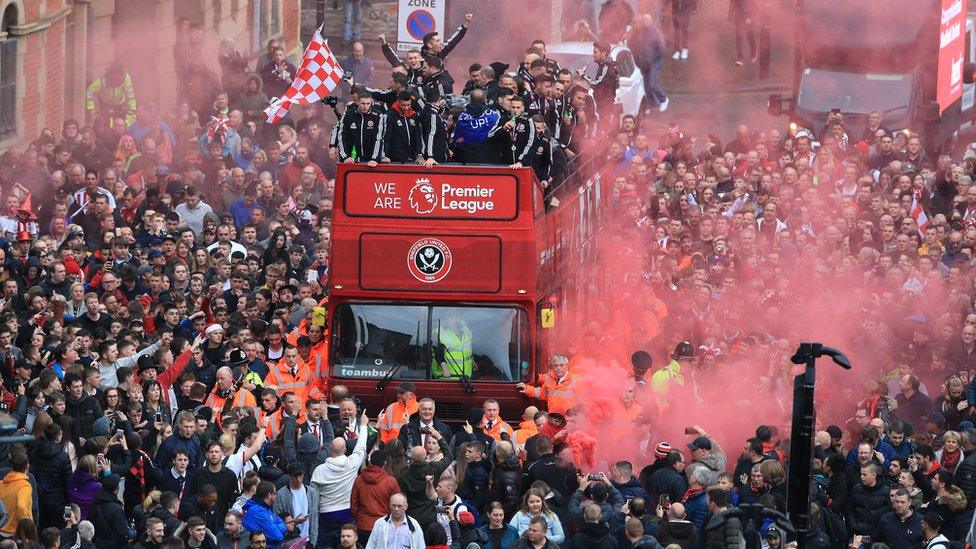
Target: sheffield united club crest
x: 429, y: 260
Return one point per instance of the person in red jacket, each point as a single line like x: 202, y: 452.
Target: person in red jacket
x: 166, y: 370
x: 371, y: 494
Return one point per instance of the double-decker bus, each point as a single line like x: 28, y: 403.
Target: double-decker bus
x: 478, y: 251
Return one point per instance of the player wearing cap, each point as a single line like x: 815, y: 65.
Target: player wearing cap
x: 556, y: 389
x: 397, y: 414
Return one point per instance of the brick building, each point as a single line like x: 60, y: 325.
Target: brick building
x: 50, y: 50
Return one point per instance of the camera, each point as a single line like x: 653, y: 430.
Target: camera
x: 424, y: 430
x: 157, y: 417
x: 331, y: 101
x: 593, y: 476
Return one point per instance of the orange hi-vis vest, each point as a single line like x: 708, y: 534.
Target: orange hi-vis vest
x: 242, y: 397
x: 557, y: 394
x: 526, y: 430
x: 300, y: 382
x: 397, y: 415
x: 496, y: 429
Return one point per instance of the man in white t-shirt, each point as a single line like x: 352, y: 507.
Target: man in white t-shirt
x: 246, y: 458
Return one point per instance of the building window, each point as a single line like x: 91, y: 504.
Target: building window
x: 8, y: 73
x: 267, y: 18
x: 218, y: 13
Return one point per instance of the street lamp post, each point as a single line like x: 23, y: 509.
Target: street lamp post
x: 802, y: 434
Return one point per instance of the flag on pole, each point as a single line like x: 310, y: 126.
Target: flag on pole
x: 918, y: 214
x: 317, y: 76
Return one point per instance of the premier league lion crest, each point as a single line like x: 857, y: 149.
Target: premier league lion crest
x: 422, y: 197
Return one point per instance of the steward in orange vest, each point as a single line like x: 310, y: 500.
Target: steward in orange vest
x: 290, y: 375
x: 227, y: 395
x: 396, y: 415
x: 557, y: 387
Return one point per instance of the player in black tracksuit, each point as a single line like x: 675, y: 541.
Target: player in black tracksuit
x: 433, y: 129
x: 434, y: 47
x: 403, y: 141
x: 414, y: 63
x: 361, y: 132
x: 436, y: 77
x: 542, y: 153
x: 604, y: 83
x: 578, y: 124
x: 538, y: 101
x: 514, y: 136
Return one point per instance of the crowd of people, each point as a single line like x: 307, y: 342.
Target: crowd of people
x: 160, y: 275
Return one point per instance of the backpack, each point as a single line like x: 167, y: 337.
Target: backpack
x: 835, y: 528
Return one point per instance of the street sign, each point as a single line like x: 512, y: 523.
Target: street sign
x: 415, y: 18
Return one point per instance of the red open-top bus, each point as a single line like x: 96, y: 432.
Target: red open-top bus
x: 415, y: 248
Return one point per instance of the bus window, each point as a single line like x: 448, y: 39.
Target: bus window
x: 484, y: 343
x: 372, y: 340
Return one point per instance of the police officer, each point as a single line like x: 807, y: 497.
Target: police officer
x: 515, y: 136
x: 403, y: 142
x: 361, y: 132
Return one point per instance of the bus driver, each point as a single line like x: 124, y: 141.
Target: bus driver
x: 453, y: 355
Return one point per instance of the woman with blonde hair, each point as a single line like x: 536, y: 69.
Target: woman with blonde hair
x: 83, y: 484
x: 950, y: 455
x: 127, y: 151
x: 534, y: 505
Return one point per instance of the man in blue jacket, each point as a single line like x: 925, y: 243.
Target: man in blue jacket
x: 259, y: 516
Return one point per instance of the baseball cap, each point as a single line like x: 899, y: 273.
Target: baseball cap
x: 700, y: 443
x: 213, y: 328
x: 834, y: 431
x: 935, y: 416
x: 406, y: 387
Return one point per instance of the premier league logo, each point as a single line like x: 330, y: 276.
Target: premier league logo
x: 429, y: 260
x: 422, y: 197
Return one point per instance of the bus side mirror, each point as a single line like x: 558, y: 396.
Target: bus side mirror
x: 776, y: 105
x: 969, y: 73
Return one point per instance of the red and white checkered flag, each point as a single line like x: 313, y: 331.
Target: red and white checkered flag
x: 317, y: 76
